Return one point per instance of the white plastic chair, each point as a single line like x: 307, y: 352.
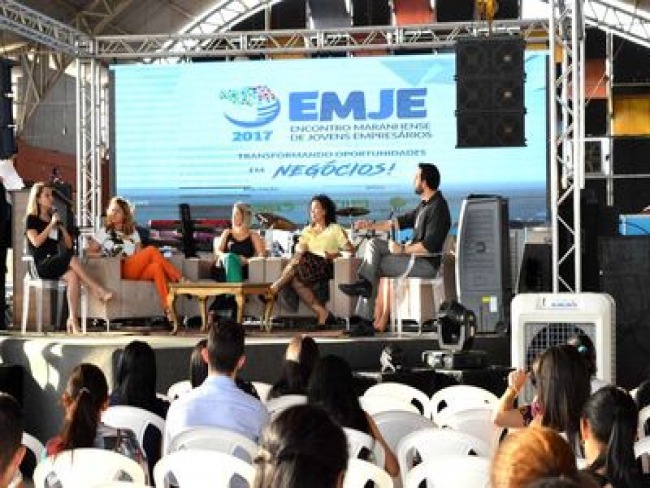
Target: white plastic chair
x: 87, y: 467
x: 177, y: 389
x: 450, y: 472
x: 477, y: 422
x: 279, y: 404
x: 431, y: 443
x: 34, y: 445
x: 642, y: 450
x: 403, y: 392
x: 199, y: 468
x: 133, y: 418
x: 215, y: 439
x: 32, y: 280
x: 459, y: 397
x: 395, y: 425
x: 644, y: 415
x: 375, y: 404
x: 359, y: 472
x: 262, y: 390
x: 359, y: 441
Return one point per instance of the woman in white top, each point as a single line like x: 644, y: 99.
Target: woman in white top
x: 119, y: 237
x: 319, y: 244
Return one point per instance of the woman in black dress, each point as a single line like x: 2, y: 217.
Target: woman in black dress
x: 51, y: 246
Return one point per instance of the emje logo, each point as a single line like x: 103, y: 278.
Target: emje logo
x: 251, y: 106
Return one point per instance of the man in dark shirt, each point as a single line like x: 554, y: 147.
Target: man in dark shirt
x: 430, y: 222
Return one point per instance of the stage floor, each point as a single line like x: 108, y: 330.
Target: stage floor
x: 47, y: 359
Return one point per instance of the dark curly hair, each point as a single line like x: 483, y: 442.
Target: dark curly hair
x: 328, y: 205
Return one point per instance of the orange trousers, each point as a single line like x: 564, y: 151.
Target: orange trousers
x: 149, y: 265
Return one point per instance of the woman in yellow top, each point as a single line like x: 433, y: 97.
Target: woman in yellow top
x: 320, y: 243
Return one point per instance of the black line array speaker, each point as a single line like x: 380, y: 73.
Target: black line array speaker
x: 484, y: 283
x: 7, y: 139
x: 454, y: 10
x: 371, y: 12
x: 490, y: 91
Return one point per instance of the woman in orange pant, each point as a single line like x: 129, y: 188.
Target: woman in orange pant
x: 119, y: 237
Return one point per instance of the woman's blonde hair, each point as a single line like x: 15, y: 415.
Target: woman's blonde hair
x: 128, y: 227
x: 34, y: 195
x: 530, y: 454
x: 245, y: 212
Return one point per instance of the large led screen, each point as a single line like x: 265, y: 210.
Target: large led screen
x: 274, y: 133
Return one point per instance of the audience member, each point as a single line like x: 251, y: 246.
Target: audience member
x: 299, y: 361
x: 218, y: 402
x: 51, y: 246
x: 135, y: 385
x: 562, y: 390
x: 12, y: 450
x: 135, y: 382
x: 331, y: 387
x: 198, y: 365
x: 585, y: 346
x: 506, y: 414
x: 119, y: 237
x: 84, y: 400
x: 302, y: 447
x: 311, y: 268
x: 608, y: 427
x: 199, y: 370
x: 528, y: 455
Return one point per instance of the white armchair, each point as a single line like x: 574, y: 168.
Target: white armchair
x: 131, y: 298
x: 267, y: 270
x: 340, y: 304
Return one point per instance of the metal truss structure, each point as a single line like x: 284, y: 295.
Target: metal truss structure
x: 567, y: 164
x: 278, y: 42
x: 207, y: 37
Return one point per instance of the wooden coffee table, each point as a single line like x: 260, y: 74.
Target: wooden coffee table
x: 203, y: 290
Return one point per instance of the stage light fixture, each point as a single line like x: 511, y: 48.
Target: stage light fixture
x: 456, y: 327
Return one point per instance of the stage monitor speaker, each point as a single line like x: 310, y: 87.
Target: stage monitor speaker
x: 484, y: 283
x: 490, y: 92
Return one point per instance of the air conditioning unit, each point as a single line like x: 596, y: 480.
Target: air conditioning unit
x: 542, y: 320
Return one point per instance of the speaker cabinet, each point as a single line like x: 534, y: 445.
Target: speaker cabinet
x: 371, y: 12
x: 490, y: 92
x: 484, y: 282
